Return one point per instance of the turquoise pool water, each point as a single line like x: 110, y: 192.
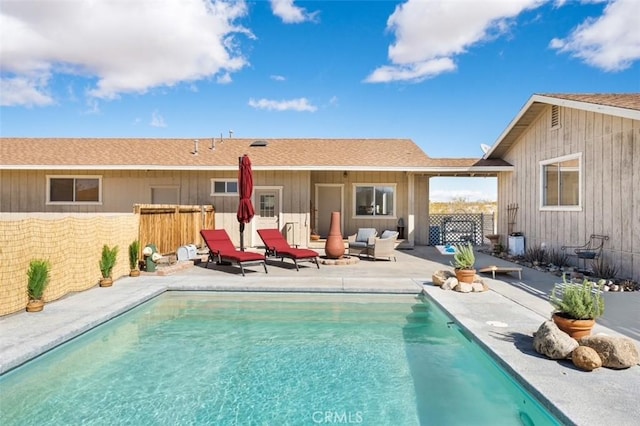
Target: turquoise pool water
x: 263, y: 359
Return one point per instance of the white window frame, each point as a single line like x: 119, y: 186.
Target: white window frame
x: 226, y: 193
x: 544, y: 163
x: 354, y: 207
x: 73, y: 203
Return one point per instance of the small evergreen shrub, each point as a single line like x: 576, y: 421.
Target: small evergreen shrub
x: 578, y: 301
x: 108, y: 260
x: 38, y: 275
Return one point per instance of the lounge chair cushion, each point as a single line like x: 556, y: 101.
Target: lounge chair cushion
x: 364, y: 234
x: 389, y: 234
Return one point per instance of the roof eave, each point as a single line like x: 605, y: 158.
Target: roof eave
x: 550, y: 100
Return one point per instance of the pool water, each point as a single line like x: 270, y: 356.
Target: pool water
x: 263, y: 359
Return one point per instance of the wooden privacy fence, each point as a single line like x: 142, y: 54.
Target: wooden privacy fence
x: 170, y: 226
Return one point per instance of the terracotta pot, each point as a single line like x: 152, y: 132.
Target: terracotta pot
x: 573, y: 327
x: 35, y: 305
x: 106, y: 282
x: 134, y: 273
x: 334, y: 247
x: 465, y: 275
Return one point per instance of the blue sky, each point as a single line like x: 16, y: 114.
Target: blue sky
x: 449, y: 75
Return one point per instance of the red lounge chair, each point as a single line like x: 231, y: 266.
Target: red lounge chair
x: 222, y: 249
x: 276, y: 246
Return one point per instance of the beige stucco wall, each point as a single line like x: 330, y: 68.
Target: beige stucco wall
x: 610, y: 148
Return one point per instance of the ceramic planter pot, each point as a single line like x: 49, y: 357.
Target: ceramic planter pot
x: 573, y: 327
x: 465, y: 275
x: 106, y: 282
x: 134, y: 273
x: 334, y: 246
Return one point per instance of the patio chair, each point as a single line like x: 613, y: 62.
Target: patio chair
x: 276, y: 246
x: 359, y: 242
x: 385, y: 246
x: 591, y: 250
x: 222, y: 249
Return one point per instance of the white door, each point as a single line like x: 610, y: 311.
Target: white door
x: 328, y: 200
x: 267, y: 211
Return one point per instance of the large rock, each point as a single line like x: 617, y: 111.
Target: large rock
x: 586, y: 358
x: 464, y: 287
x: 450, y: 283
x: 552, y: 342
x: 441, y: 276
x: 615, y: 352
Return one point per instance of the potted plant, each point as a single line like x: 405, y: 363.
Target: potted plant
x: 134, y: 253
x: 38, y: 275
x: 107, y: 262
x: 464, y: 261
x: 577, y: 306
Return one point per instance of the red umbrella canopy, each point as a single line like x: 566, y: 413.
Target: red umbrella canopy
x: 245, y: 188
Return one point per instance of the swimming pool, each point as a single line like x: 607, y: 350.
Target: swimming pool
x: 248, y: 358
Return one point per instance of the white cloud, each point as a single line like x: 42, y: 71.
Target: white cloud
x: 157, y: 120
x: 430, y: 33
x: 24, y: 91
x: 610, y: 42
x: 291, y: 14
x: 125, y: 47
x: 277, y: 78
x: 300, y: 104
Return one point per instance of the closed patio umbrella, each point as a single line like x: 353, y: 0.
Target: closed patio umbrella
x: 245, y: 188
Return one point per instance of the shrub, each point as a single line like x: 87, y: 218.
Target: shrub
x: 108, y: 260
x: 578, y: 301
x: 38, y: 274
x: 557, y: 257
x: 535, y: 254
x: 134, y: 253
x: 603, y: 269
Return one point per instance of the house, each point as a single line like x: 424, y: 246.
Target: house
x: 576, y: 172
x: 297, y: 182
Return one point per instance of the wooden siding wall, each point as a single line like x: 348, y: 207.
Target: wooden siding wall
x: 351, y: 223
x: 610, y: 148
x: 294, y: 208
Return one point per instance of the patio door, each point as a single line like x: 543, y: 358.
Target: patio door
x: 267, y: 211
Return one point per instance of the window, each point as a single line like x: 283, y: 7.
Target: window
x: 224, y: 187
x: 374, y: 200
x: 561, y: 179
x: 74, y: 189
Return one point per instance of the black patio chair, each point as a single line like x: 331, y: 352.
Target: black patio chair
x: 591, y: 250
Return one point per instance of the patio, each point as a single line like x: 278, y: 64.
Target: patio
x: 502, y: 319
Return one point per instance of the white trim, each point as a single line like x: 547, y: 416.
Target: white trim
x: 48, y: 201
x: 541, y: 183
x: 393, y: 214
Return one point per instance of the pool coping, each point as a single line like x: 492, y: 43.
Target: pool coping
x: 602, y: 391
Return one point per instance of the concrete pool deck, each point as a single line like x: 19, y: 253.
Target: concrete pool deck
x: 502, y: 320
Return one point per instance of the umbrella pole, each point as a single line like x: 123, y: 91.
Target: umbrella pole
x: 242, y: 236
